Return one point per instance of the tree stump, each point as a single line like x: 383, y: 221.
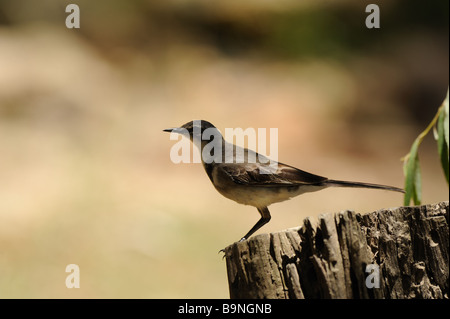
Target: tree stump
x: 391, y: 253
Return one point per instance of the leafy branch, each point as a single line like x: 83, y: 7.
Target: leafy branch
x: 411, y: 165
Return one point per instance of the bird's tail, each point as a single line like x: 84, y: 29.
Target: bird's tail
x: 335, y: 183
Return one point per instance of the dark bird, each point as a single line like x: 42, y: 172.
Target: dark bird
x: 259, y: 182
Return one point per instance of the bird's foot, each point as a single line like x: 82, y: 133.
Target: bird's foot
x: 222, y: 251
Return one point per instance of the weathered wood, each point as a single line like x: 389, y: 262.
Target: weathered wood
x: 408, y: 245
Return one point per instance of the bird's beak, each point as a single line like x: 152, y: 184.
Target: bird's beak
x: 178, y: 130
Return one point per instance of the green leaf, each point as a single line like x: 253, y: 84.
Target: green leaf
x: 446, y: 114
x: 442, y: 143
x: 411, y: 166
x: 417, y: 194
x: 411, y: 169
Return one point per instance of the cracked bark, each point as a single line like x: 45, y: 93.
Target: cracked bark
x: 409, y: 245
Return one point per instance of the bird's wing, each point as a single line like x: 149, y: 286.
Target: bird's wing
x: 283, y: 175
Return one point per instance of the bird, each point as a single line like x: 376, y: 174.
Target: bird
x: 250, y: 178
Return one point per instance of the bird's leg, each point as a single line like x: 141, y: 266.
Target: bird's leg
x: 265, y: 218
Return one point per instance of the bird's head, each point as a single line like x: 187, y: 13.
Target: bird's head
x: 195, y: 130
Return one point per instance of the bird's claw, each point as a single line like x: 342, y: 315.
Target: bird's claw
x: 224, y: 253
x: 223, y: 250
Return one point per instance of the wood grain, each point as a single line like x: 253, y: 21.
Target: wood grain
x: 409, y: 246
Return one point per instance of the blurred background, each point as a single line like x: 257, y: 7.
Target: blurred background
x: 85, y: 172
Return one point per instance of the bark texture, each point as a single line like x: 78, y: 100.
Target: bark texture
x: 341, y: 256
